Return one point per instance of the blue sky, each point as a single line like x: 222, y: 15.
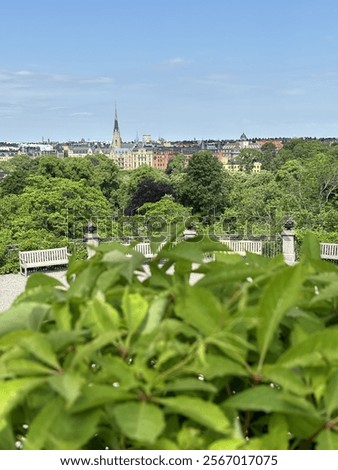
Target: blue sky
x: 176, y: 68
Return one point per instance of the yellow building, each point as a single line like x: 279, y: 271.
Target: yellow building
x: 233, y: 166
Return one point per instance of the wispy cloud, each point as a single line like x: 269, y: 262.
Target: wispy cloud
x: 29, y: 77
x: 57, y: 108
x: 9, y: 109
x: 97, y: 81
x: 29, y: 92
x: 81, y: 114
x: 214, y: 79
x: 24, y: 73
x: 297, y: 91
x: 174, y: 62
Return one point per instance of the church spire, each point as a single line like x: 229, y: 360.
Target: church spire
x: 117, y: 141
x: 116, y: 122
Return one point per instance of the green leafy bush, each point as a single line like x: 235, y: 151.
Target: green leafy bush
x: 244, y: 358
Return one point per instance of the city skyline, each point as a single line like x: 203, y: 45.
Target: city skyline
x: 179, y: 70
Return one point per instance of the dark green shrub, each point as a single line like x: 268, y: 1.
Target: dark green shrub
x: 246, y: 358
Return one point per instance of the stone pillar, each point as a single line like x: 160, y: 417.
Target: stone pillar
x: 288, y: 238
x: 92, y: 239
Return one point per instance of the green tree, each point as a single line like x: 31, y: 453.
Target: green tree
x: 176, y: 164
x: 299, y: 149
x: 255, y: 204
x: 148, y: 190
x: 131, y: 181
x: 321, y: 173
x: 52, y: 211
x: 268, y: 156
x: 164, y: 216
x: 205, y: 185
x: 104, y: 173
x: 51, y: 167
x: 247, y: 158
x: 18, y: 170
x: 309, y: 191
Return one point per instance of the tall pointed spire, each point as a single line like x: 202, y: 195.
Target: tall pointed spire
x: 117, y: 141
x: 116, y: 122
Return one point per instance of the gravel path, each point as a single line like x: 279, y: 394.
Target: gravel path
x: 11, y: 285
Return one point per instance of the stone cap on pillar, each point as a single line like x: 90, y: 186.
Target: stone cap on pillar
x: 91, y: 233
x: 289, y: 224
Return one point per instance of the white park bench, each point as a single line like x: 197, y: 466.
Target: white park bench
x: 329, y: 251
x: 242, y: 246
x: 42, y: 258
x: 146, y: 251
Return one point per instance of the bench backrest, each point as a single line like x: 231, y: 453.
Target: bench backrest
x: 41, y: 256
x: 329, y: 250
x: 241, y: 246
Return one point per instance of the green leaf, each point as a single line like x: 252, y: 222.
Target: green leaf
x: 68, y: 386
x: 189, y: 438
x: 13, y: 338
x: 40, y: 294
x: 277, y: 438
x: 228, y: 258
x: 107, y: 279
x: 331, y: 394
x: 42, y: 280
x: 14, y: 391
x: 156, y: 312
x: 158, y: 277
x: 33, y: 342
x: 203, y: 412
x: 25, y: 367
x: 60, y: 340
x: 62, y: 314
x: 27, y: 315
x: 187, y: 251
x: 287, y: 379
x: 43, y: 421
x: 84, y: 282
x: 233, y: 346
x: 95, y: 396
x: 7, y: 438
x: 310, y: 248
x: 201, y: 309
x: 303, y: 325
x: 128, y: 265
x: 219, y: 366
x: 135, y: 308
x: 327, y: 293
x: 227, y: 444
x: 115, y: 369
x: 114, y: 257
x: 141, y: 421
x: 318, y: 349
x: 304, y: 427
x: 37, y: 344
x: 193, y: 384
x: 99, y: 316
x: 217, y: 274
x: 327, y: 440
x: 163, y: 443
x: 84, y: 353
x: 279, y: 295
x: 72, y: 431
x: 267, y: 399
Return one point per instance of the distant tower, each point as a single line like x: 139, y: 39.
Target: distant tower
x: 117, y: 141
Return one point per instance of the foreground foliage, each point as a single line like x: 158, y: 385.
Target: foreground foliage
x: 246, y: 358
